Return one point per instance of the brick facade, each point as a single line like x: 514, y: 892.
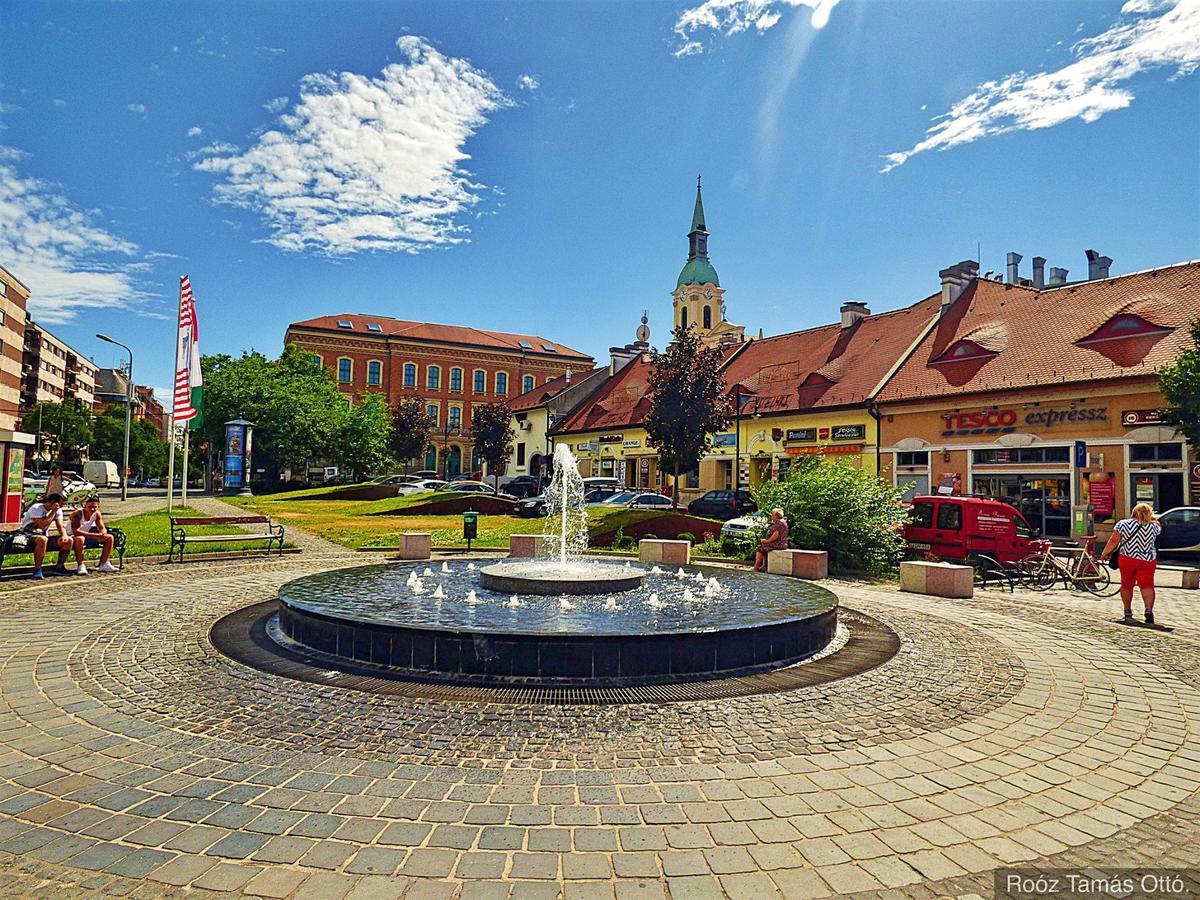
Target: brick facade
x: 13, y: 299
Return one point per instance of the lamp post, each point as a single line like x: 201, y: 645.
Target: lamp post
x: 740, y: 396
x: 445, y: 431
x: 128, y: 416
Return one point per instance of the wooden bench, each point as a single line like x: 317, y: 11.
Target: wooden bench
x: 271, y: 533
x: 17, y: 542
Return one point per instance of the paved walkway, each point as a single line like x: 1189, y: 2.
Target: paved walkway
x: 134, y: 758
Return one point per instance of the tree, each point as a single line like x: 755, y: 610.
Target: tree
x: 64, y: 428
x: 412, y: 430
x: 1180, y: 386
x: 491, y: 427
x: 147, y: 450
x: 687, y: 403
x: 853, y: 515
x: 363, y: 440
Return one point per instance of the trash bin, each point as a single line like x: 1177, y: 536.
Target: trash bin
x: 470, y: 526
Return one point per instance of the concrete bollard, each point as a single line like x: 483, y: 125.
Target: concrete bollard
x: 523, y: 545
x: 415, y: 545
x: 810, y: 564
x: 676, y: 553
x: 937, y: 579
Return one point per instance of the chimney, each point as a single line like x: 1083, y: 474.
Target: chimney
x: 852, y: 311
x: 955, y: 280
x: 1058, y: 276
x: 567, y: 378
x: 1039, y: 272
x: 621, y: 357
x: 1013, y: 263
x: 1097, y: 265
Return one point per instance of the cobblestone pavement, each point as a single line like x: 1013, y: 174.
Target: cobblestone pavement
x: 136, y: 760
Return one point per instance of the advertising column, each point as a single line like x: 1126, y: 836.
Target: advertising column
x: 236, y: 468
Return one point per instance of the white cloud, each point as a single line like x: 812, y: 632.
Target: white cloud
x: 66, y: 257
x: 731, y: 17
x: 59, y: 102
x: 367, y: 163
x: 137, y: 108
x: 275, y: 104
x: 528, y: 83
x: 1097, y: 81
x: 195, y: 131
x: 274, y: 51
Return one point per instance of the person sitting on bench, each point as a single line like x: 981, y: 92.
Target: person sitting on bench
x: 35, y: 523
x: 87, y: 530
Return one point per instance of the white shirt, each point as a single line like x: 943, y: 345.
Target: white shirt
x: 38, y: 511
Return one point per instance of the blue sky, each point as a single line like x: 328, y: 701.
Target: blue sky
x: 531, y: 166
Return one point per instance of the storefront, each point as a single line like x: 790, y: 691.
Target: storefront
x: 621, y: 455
x: 1045, y: 452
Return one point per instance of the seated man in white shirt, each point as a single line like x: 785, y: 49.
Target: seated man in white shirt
x: 87, y: 529
x: 37, y: 521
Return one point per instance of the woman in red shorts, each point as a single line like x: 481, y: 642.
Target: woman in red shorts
x: 1137, y: 557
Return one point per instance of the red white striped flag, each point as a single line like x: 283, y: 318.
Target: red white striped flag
x: 188, y: 382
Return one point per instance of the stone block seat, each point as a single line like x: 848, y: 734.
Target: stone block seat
x: 653, y: 550
x: 811, y: 564
x: 523, y: 545
x: 1186, y: 577
x: 937, y: 579
x: 415, y: 545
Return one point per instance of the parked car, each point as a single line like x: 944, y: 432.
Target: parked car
x: 743, y: 528
x: 1180, y: 531
x: 526, y: 486
x: 723, y: 505
x: 636, y: 500
x: 428, y: 473
x: 423, y: 486
x: 604, y: 481
x: 395, y: 479
x: 598, y: 495
x: 952, y: 527
x: 531, y: 508
x: 477, y: 487
x: 102, y: 472
x: 620, y: 498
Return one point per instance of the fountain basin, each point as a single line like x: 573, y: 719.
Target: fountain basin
x: 532, y: 576
x: 666, y: 630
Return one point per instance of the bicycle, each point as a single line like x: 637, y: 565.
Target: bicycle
x: 1079, y: 570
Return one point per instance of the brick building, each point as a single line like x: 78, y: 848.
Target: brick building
x: 112, y: 386
x: 13, y: 299
x: 54, y: 372
x: 449, y: 367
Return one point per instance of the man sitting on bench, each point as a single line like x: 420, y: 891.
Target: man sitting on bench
x: 37, y: 520
x: 87, y: 530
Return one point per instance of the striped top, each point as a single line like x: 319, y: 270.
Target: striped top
x: 1137, y: 539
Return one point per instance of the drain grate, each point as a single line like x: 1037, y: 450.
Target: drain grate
x: 242, y: 636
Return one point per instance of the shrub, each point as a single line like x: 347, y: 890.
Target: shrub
x: 855, y: 516
x: 623, y: 541
x: 686, y: 536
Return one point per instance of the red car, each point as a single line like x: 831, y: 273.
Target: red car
x: 957, y: 528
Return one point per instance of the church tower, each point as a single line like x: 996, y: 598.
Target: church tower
x: 698, y: 295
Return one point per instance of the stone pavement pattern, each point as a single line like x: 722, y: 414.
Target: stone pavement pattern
x: 135, y: 759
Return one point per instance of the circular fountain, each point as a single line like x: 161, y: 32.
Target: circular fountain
x: 561, y: 618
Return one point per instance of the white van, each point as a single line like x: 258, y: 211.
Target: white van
x: 101, y: 473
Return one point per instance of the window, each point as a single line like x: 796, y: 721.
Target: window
x: 918, y: 458
x: 527, y: 384
x: 949, y: 516
x: 501, y: 382
x: 1155, y: 452
x: 961, y: 351
x: 921, y: 515
x: 480, y: 382
x: 683, y: 317
x: 432, y: 411
x: 455, y: 416
x: 375, y: 326
x: 525, y: 345
x: 345, y: 403
x: 342, y: 323
x: 345, y: 370
x: 548, y: 348
x: 433, y: 378
x: 456, y: 375
x: 1022, y: 455
x: 708, y: 317
x: 1123, y: 326
x: 3, y: 289
x: 317, y: 361
x: 520, y: 454
x: 374, y: 373
x: 1022, y: 527
x: 410, y: 375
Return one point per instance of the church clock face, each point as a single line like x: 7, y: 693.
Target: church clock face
x: 708, y: 293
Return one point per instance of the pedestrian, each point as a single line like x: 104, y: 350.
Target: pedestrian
x: 776, y: 539
x: 1137, y: 557
x: 54, y: 484
x: 36, y: 523
x: 87, y: 529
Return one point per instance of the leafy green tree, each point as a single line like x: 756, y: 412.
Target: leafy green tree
x: 64, y: 428
x: 855, y: 516
x: 363, y: 440
x: 491, y: 428
x: 412, y: 430
x: 1180, y: 386
x: 147, y: 451
x: 687, y: 403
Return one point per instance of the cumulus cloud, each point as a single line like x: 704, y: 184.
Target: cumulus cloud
x: 195, y: 131
x: 1150, y: 35
x: 59, y: 102
x: 137, y: 108
x: 275, y: 104
x: 731, y: 17
x: 65, y: 255
x: 528, y: 83
x: 367, y: 163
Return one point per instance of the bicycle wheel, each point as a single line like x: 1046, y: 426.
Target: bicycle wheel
x: 1103, y: 585
x: 1042, y: 575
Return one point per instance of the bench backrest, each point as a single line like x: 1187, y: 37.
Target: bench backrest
x: 219, y: 520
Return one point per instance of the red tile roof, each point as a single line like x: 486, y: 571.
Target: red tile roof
x: 449, y: 334
x: 544, y: 393
x: 620, y: 402
x: 1033, y: 338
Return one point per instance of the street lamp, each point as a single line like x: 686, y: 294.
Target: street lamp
x: 128, y: 416
x: 740, y: 396
x: 445, y: 431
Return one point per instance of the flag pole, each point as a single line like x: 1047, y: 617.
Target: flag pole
x: 174, y: 390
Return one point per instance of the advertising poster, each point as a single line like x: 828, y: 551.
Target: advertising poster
x: 1102, y: 494
x: 949, y: 483
x: 16, y: 469
x: 235, y: 439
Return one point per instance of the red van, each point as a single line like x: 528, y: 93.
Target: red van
x: 953, y: 527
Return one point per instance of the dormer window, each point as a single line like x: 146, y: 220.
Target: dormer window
x: 1125, y: 325
x: 375, y: 326
x: 963, y: 351
x: 525, y: 345
x: 342, y: 323
x: 548, y: 348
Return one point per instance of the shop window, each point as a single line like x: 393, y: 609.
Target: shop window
x: 1155, y: 452
x: 433, y: 378
x: 480, y: 381
x: 918, y: 458
x: 1022, y: 455
x: 374, y: 373
x: 949, y: 516
x: 527, y: 384
x: 921, y: 515
x: 345, y: 370
x: 410, y: 375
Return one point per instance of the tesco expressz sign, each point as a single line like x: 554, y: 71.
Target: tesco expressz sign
x: 1003, y: 421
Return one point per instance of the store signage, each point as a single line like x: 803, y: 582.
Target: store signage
x: 1005, y: 421
x: 1102, y: 494
x: 849, y: 432
x: 611, y: 438
x: 724, y: 440
x: 1140, y: 417
x: 635, y: 442
x: 586, y: 445
x: 644, y: 464
x: 1081, y: 459
x: 1194, y: 477
x: 801, y: 435
x: 834, y: 448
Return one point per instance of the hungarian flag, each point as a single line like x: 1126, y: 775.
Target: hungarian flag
x: 189, y: 390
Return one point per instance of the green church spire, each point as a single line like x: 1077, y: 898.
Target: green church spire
x: 698, y: 213
x: 698, y: 269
